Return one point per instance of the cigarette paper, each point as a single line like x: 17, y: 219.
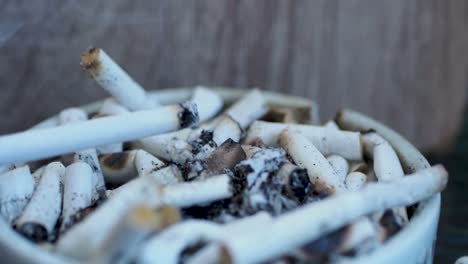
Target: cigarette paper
x: 111, y: 107
x: 307, y: 156
x: 90, y: 157
x: 226, y: 156
x: 16, y: 188
x: 250, y: 150
x: 355, y: 181
x: 115, y: 80
x: 328, y: 141
x: 208, y: 102
x: 78, y: 191
x: 171, y: 146
x: 72, y: 115
x: 82, y: 239
x: 307, y: 223
x: 146, y: 163
x: 249, y: 108
x: 48, y: 142
x: 119, y: 168
x: 340, y: 165
x: 136, y: 225
x: 407, y: 153
x: 38, y: 220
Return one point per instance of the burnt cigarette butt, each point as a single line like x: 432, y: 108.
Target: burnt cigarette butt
x: 226, y: 156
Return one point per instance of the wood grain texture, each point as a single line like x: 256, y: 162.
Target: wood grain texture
x: 402, y: 62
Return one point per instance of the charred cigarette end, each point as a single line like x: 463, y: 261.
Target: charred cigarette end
x: 115, y: 161
x: 90, y: 61
x: 225, y: 156
x: 339, y: 116
x: 390, y: 225
x: 300, y: 184
x: 34, y: 232
x: 188, y: 116
x: 170, y: 215
x: 328, y: 243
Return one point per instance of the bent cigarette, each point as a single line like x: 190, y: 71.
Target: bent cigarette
x: 208, y: 102
x: 340, y: 165
x: 355, y: 181
x: 247, y: 109
x: 90, y: 157
x: 119, y: 168
x: 115, y: 80
x: 328, y: 141
x: 85, y: 237
x: 122, y: 244
x: 307, y: 156
x: 78, y: 191
x: 16, y: 189
x: 48, y: 142
x: 387, y: 166
x: 307, y: 223
x: 38, y: 220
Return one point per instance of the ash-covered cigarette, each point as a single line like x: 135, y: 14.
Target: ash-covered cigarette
x: 38, y: 220
x: 90, y: 157
x: 78, y: 191
x: 170, y: 147
x: 115, y: 80
x: 16, y: 189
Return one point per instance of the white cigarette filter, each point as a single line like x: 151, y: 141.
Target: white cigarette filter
x: 84, y: 238
x: 115, y: 80
x: 298, y: 227
x: 49, y: 142
x: 208, y: 102
x: 355, y: 181
x: 38, y: 174
x: 307, y: 156
x: 78, y: 191
x: 136, y: 225
x: 340, y: 165
x: 72, y: 115
x: 16, y: 189
x: 38, y: 220
x: 226, y: 128
x: 249, y: 108
x: 90, y: 157
x: 119, y: 168
x: 171, y: 146
x: 328, y: 141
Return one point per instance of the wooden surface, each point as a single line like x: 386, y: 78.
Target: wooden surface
x: 402, y: 62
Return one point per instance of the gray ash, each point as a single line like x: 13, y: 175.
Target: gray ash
x: 34, y: 232
x: 300, y: 184
x: 205, y: 140
x: 192, y: 169
x: 188, y: 116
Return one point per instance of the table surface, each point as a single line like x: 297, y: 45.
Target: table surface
x: 453, y: 228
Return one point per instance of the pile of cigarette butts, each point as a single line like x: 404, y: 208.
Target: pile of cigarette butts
x: 204, y: 181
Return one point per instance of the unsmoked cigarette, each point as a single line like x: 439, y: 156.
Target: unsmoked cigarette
x: 38, y: 220
x: 307, y: 156
x: 328, y: 141
x: 16, y: 189
x: 295, y: 228
x: 49, y: 142
x: 115, y: 80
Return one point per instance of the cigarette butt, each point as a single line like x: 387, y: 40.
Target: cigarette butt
x: 90, y: 157
x: 208, y: 102
x: 328, y: 141
x: 250, y: 150
x: 170, y: 147
x: 307, y: 223
x: 288, y: 114
x: 332, y: 125
x: 115, y: 80
x: 340, y: 165
x: 119, y: 168
x: 48, y: 142
x: 72, y: 115
x: 297, y: 181
x: 307, y: 156
x: 78, y: 191
x: 16, y: 189
x: 227, y: 128
x: 38, y: 220
x: 355, y: 181
x: 248, y: 109
x: 146, y: 163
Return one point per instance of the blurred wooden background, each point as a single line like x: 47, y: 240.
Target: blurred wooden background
x: 402, y: 62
